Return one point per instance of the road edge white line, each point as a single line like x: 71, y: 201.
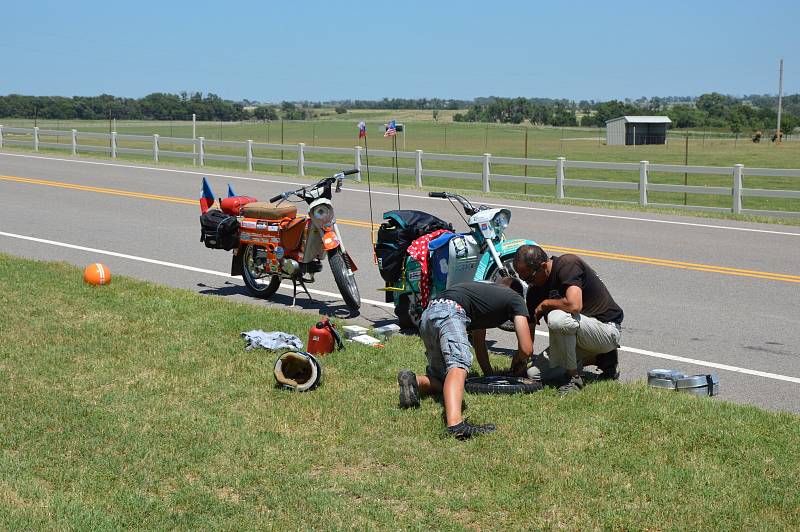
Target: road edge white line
x: 338, y: 297
x: 634, y: 350
x: 523, y: 207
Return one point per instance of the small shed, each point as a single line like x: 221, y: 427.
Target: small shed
x: 635, y: 130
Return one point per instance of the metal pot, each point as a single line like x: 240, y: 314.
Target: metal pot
x: 703, y: 384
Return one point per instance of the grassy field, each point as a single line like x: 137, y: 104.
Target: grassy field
x: 136, y: 406
x: 704, y: 149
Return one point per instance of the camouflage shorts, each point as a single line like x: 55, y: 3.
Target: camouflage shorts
x: 443, y: 329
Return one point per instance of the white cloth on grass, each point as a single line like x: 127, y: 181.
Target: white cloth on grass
x: 271, y: 340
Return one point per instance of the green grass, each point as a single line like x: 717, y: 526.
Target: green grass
x: 500, y: 140
x: 136, y: 406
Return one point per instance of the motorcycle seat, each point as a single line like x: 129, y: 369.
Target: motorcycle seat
x: 267, y: 211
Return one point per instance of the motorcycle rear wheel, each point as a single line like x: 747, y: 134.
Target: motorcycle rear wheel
x: 345, y: 278
x: 402, y: 311
x: 257, y: 284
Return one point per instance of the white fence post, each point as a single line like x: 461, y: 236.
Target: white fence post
x: 301, y: 159
x: 201, y: 150
x: 36, y: 139
x: 249, y: 155
x: 1, y: 135
x: 357, y: 162
x: 737, y: 188
x: 418, y: 167
x: 560, y: 177
x: 113, y: 144
x: 486, y: 171
x: 643, y: 182
x: 74, y: 142
x: 155, y: 147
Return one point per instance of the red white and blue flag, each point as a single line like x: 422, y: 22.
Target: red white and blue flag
x: 206, y: 197
x: 391, y: 129
x: 362, y: 129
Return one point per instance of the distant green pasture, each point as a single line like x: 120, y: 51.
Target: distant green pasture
x: 575, y: 144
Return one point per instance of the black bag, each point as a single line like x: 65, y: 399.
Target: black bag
x: 399, y: 230
x: 219, y: 230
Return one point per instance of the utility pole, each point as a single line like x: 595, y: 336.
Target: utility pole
x: 194, y: 138
x: 686, y: 163
x: 780, y: 102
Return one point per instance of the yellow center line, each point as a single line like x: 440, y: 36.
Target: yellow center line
x: 725, y: 270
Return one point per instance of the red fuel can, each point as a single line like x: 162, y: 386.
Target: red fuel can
x: 320, y: 338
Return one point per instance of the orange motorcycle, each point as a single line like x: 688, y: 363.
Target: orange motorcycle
x: 271, y: 243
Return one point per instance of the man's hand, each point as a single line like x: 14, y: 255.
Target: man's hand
x: 538, y: 313
x: 518, y: 366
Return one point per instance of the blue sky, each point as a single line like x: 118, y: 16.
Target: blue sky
x: 317, y: 50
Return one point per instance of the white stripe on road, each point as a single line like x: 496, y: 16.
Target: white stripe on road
x: 712, y: 365
x: 175, y: 265
x: 522, y: 207
x: 634, y: 350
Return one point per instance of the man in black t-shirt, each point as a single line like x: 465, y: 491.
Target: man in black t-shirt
x: 444, y: 326
x: 583, y: 319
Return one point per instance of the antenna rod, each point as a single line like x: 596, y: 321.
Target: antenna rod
x: 780, y: 102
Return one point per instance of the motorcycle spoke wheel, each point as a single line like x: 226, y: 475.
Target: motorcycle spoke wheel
x: 259, y: 285
x: 494, y: 276
x: 345, y: 278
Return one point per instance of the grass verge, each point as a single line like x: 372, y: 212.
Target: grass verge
x: 134, y: 405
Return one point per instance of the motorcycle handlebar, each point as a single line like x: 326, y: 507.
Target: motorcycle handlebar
x: 351, y: 172
x: 276, y: 198
x: 437, y: 194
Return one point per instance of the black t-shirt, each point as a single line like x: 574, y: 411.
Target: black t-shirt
x: 488, y: 305
x: 570, y: 270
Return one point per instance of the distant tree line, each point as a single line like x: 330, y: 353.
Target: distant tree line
x: 156, y: 106
x: 713, y: 110
x: 403, y: 103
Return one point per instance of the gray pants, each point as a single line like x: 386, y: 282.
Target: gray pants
x: 574, y: 340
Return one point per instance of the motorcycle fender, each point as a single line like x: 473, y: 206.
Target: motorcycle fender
x: 236, y: 262
x: 353, y: 267
x: 330, y: 240
x: 504, y: 249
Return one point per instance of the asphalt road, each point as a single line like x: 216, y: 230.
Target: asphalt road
x: 700, y: 295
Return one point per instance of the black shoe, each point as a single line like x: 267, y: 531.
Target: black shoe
x: 608, y: 364
x: 466, y: 430
x: 575, y: 384
x: 409, y: 390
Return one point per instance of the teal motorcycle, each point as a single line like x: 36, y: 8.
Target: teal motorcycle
x: 481, y: 254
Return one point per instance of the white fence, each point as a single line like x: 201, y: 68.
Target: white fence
x: 12, y: 136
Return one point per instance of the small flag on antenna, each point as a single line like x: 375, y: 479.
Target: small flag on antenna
x: 206, y: 196
x: 362, y: 129
x: 391, y: 129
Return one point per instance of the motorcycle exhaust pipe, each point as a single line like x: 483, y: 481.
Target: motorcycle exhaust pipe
x: 290, y: 266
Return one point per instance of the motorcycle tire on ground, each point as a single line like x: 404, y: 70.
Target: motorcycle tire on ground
x: 345, y: 278
x: 502, y: 384
x: 402, y: 312
x: 257, y: 286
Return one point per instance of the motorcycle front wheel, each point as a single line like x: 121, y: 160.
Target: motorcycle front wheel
x: 494, y: 276
x: 345, y: 278
x: 257, y: 284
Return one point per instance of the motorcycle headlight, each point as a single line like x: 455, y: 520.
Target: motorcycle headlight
x: 323, y: 214
x: 501, y: 219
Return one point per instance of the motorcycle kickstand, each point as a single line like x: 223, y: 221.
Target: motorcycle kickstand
x: 295, y: 280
